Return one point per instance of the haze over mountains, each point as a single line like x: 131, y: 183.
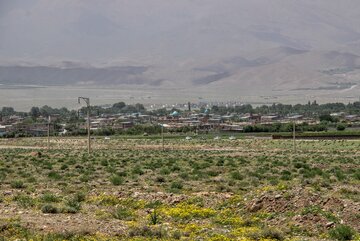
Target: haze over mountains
x: 272, y: 46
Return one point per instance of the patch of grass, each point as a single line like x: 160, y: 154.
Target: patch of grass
x: 49, y: 197
x: 267, y: 234
x: 123, y: 213
x: 24, y: 200
x: 18, y: 184
x: 155, y: 233
x: 54, y: 175
x: 237, y: 175
x: 342, y: 233
x: 72, y: 205
x: 116, y: 180
x: 154, y: 217
x: 49, y: 208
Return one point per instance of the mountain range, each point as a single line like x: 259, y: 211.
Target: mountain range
x: 273, y: 46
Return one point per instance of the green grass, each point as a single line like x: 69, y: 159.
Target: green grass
x: 198, y: 189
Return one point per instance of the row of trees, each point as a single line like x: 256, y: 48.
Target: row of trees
x: 136, y: 130
x: 309, y: 109
x: 72, y: 115
x: 286, y: 127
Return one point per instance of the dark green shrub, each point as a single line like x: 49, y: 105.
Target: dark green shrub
x: 18, y: 184
x: 213, y: 173
x: 31, y: 179
x: 79, y: 196
x: 54, y: 175
x: 72, y: 205
x: 24, y: 201
x: 153, y: 204
x: 237, y: 175
x: 184, y: 175
x: 48, y: 208
x: 84, y: 178
x: 145, y: 231
x: 123, y: 213
x: 340, y: 127
x: 267, y: 233
x: 175, y: 168
x: 104, y: 163
x: 342, y: 233
x: 137, y: 170
x: 49, y: 198
x: 116, y: 180
x: 176, y: 185
x: 164, y: 171
x: 154, y: 217
x: 160, y: 179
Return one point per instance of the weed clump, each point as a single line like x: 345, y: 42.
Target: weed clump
x: 72, y: 205
x: 342, y: 233
x: 49, y: 208
x: 116, y: 180
x: 49, y: 197
x: 123, y: 213
x: 18, y: 184
x: 146, y: 231
x: 24, y: 201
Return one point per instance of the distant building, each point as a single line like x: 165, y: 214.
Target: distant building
x: 38, y: 129
x: 269, y: 118
x: 251, y: 118
x: 338, y: 114
x: 231, y: 128
x: 296, y: 117
x: 127, y: 125
x: 352, y: 117
x: 2, y: 130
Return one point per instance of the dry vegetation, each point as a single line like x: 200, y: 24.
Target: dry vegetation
x: 128, y: 189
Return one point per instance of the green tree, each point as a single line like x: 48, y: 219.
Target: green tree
x: 35, y: 112
x: 119, y: 105
x: 7, y: 111
x: 340, y: 127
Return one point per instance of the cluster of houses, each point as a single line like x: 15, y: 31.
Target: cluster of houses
x: 18, y: 124
x: 201, y: 121
x: 346, y: 117
x: 205, y: 121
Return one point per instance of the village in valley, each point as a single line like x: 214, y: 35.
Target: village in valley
x: 179, y: 118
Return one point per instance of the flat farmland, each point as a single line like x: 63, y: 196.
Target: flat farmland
x: 199, y: 189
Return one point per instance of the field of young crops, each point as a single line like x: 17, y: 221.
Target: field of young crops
x: 198, y: 189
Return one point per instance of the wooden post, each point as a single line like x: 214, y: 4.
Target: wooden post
x: 294, y: 136
x: 87, y: 101
x: 88, y: 127
x: 162, y: 137
x: 48, y: 133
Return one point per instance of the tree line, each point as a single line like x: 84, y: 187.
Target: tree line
x: 313, y: 109
x: 308, y: 110
x: 73, y: 115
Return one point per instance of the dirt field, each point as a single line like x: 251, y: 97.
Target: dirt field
x: 129, y: 189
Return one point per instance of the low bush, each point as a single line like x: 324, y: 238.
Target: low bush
x: 18, y: 184
x: 49, y: 197
x: 48, y: 208
x: 123, y: 213
x: 116, y: 180
x: 342, y: 233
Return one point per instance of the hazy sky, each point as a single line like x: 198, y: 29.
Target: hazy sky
x: 221, y: 44
x: 103, y: 30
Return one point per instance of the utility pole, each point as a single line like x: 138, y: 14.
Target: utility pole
x: 48, y: 133
x: 87, y: 101
x: 294, y: 137
x: 162, y: 137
